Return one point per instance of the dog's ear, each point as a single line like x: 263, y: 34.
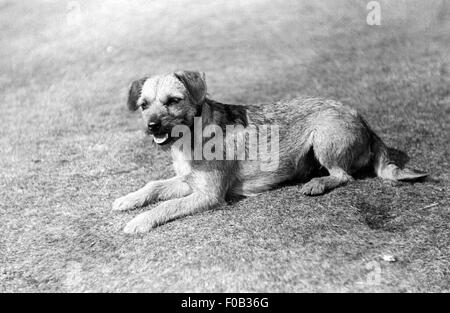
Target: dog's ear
x: 194, y: 82
x: 134, y: 93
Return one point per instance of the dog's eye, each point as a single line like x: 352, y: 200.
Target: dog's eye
x: 173, y: 100
x: 144, y: 105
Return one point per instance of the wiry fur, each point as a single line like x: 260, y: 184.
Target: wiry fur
x: 314, y: 133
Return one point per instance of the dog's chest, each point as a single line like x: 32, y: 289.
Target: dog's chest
x: 181, y: 165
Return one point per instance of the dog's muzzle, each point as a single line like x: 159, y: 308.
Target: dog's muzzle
x: 160, y: 136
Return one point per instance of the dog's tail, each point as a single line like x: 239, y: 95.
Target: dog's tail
x: 385, y: 168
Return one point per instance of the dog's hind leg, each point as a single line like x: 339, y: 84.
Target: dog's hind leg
x: 338, y: 161
x: 158, y: 190
x: 320, y: 185
x: 342, y: 147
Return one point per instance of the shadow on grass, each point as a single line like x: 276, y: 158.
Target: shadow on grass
x: 377, y: 215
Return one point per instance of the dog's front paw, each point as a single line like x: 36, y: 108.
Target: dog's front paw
x: 140, y: 224
x: 128, y: 202
x: 313, y: 188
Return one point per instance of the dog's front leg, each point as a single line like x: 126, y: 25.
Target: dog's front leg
x: 170, y: 210
x: 154, y: 191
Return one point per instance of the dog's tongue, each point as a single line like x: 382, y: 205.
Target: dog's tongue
x: 159, y: 139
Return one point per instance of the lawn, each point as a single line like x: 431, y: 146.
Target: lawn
x: 69, y: 147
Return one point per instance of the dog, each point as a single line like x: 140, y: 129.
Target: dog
x: 313, y: 134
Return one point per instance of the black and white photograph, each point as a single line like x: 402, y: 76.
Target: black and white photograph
x: 223, y: 147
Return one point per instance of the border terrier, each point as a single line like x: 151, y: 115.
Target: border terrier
x: 313, y: 134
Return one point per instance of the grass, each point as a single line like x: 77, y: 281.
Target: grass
x: 69, y: 146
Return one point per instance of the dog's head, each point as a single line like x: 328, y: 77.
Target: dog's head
x: 168, y: 100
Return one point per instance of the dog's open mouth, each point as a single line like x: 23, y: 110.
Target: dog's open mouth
x: 161, y: 139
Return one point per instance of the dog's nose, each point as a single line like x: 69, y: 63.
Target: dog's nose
x: 154, y: 126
